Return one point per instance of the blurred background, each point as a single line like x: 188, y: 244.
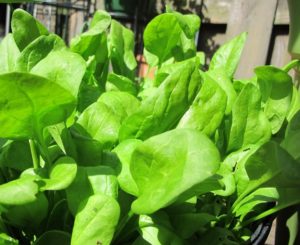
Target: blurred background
x: 266, y: 22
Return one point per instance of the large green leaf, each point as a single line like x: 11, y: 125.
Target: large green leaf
x: 207, y: 111
x: 18, y: 192
x: 276, y: 87
x: 163, y: 109
x: 38, y: 50
x: 121, y: 41
x: 9, y: 53
x: 249, y: 125
x: 97, y: 220
x: 25, y: 28
x: 64, y: 68
x: 29, y: 103
x: 228, y: 56
x: 165, y: 170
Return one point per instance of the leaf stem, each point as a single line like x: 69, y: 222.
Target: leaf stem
x: 123, y: 222
x: 34, y: 154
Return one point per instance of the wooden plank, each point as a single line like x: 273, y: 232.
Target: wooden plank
x: 218, y: 11
x: 280, y: 55
x: 257, y: 18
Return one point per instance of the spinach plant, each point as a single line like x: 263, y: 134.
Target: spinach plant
x: 91, y: 154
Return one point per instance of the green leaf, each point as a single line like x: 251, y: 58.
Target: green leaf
x: 249, y: 124
x: 101, y: 124
x: 122, y: 104
x: 61, y: 175
x: 157, y: 230
x: 121, y: 42
x: 54, y: 237
x: 103, y: 180
x: 97, y: 220
x: 163, y: 109
x: 16, y: 155
x: 78, y: 191
x: 28, y: 216
x: 292, y: 136
x: 124, y: 152
x: 7, y: 240
x: 64, y: 68
x: 18, y: 192
x: 271, y: 166
x: 225, y: 83
x: 276, y: 87
x: 166, y: 171
x: 25, y: 28
x: 87, y: 44
x: 207, y: 111
x: 37, y: 50
x: 29, y: 103
x: 228, y: 56
x: 9, y: 53
x: 217, y: 236
x: 161, y: 36
x: 120, y: 83
x: 186, y: 224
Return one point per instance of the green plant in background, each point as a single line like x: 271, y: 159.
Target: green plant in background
x: 91, y: 156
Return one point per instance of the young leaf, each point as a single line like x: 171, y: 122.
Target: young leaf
x: 25, y: 28
x: 37, y: 50
x: 7, y: 240
x: 97, y: 220
x: 122, y: 50
x: 228, y: 56
x: 61, y: 175
x: 9, y: 53
x: 276, y: 87
x: 161, y: 36
x: 87, y: 44
x: 29, y: 103
x: 249, y: 124
x: 162, y: 110
x: 120, y: 83
x: 207, y: 111
x: 164, y: 172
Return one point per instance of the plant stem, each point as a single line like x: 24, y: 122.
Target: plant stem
x: 34, y: 154
x: 123, y: 222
